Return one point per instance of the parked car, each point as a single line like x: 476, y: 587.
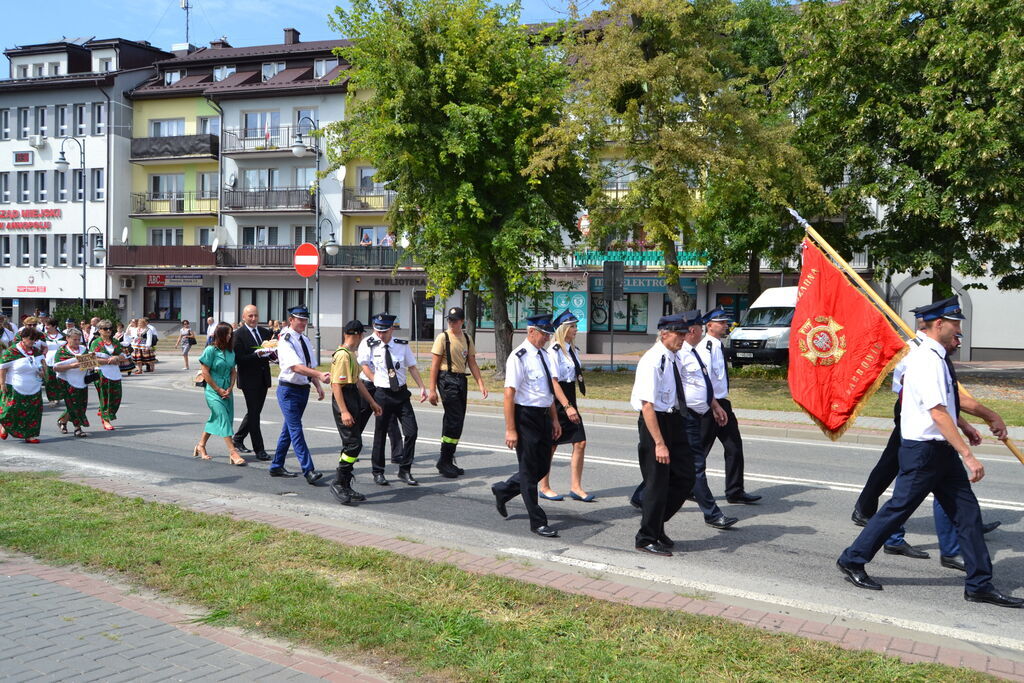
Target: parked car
x: 763, y: 335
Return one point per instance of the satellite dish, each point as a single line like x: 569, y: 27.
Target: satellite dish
x: 231, y: 181
x: 215, y: 245
x: 342, y: 170
x: 124, y: 235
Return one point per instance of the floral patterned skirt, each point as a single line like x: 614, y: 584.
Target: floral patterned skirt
x: 76, y: 402
x: 54, y: 386
x: 109, y: 391
x: 20, y: 414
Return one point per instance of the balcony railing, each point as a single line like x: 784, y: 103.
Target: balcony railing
x: 638, y: 259
x: 146, y: 203
x: 370, y: 257
x: 157, y: 257
x: 252, y: 256
x: 367, y: 199
x: 273, y: 139
x: 281, y: 198
x: 283, y: 257
x: 174, y: 146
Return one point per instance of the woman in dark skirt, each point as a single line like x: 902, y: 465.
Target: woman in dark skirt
x: 108, y: 386
x: 21, y: 376
x: 565, y: 357
x: 74, y: 389
x: 54, y: 339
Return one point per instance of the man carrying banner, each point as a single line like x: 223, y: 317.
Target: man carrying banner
x: 929, y: 463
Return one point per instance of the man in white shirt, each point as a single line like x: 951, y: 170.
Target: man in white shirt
x: 710, y: 349
x: 298, y: 371
x: 385, y: 361
x: 531, y: 421
x: 929, y: 463
x: 211, y: 327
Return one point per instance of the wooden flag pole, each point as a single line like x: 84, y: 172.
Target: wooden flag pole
x: 880, y: 302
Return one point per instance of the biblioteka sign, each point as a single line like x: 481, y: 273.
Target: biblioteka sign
x: 28, y: 219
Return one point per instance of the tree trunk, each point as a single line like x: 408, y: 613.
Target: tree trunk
x: 754, y: 288
x: 470, y: 306
x: 502, y: 325
x: 942, y: 280
x: 681, y: 301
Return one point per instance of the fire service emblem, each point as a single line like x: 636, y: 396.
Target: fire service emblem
x: 820, y: 341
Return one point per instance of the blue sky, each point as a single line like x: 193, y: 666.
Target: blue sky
x: 162, y: 22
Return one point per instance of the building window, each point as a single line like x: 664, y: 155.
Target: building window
x: 262, y: 124
x: 24, y: 251
x: 209, y: 125
x: 62, y: 120
x: 617, y: 175
x: 23, y: 71
x: 55, y: 68
x: 106, y: 64
x: 60, y: 185
x: 38, y: 70
x: 76, y: 247
x: 259, y: 236
x: 42, y: 255
x: 171, y: 77
x: 99, y: 185
x: 166, y: 128
x: 272, y: 303
x: 222, y: 72
x: 303, y: 233
x: 366, y: 182
x: 629, y: 315
x: 78, y: 184
x: 208, y: 185
x: 271, y: 69
x: 5, y: 187
x: 24, y: 191
x: 99, y: 118
x: 372, y: 235
x: 5, y: 124
x: 41, y: 186
x: 369, y: 303
x: 166, y: 237
x: 62, y: 250
x: 79, y: 120
x: 24, y: 128
x: 262, y: 178
x: 204, y: 236
x: 167, y: 186
x: 303, y: 117
x: 162, y: 303
x: 5, y: 250
x: 305, y: 176
x: 42, y: 116
x: 322, y: 67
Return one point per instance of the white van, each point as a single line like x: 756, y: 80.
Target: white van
x: 763, y: 335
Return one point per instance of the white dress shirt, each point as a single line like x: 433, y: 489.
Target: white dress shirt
x: 23, y: 373
x: 710, y: 351
x: 694, y: 380
x: 565, y: 371
x: 655, y: 382
x: 926, y: 384
x: 524, y: 372
x: 290, y: 354
x: 371, y: 352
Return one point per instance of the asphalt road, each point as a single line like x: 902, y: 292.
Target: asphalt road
x: 780, y: 556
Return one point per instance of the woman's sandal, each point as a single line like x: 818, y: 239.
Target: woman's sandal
x: 79, y: 433
x: 200, y: 452
x: 235, y: 459
x: 62, y: 426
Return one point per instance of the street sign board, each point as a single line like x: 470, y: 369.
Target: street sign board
x: 614, y: 277
x: 307, y: 259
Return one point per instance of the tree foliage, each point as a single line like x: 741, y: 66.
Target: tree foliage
x: 918, y: 105
x: 449, y: 99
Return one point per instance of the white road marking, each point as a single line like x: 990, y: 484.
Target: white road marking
x: 171, y: 412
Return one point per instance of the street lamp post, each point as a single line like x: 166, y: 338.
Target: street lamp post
x: 63, y: 165
x: 299, y: 150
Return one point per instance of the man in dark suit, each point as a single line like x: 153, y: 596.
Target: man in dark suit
x: 253, y: 379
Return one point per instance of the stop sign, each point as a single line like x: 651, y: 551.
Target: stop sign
x: 307, y: 259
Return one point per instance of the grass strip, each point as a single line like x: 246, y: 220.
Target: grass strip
x: 434, y: 618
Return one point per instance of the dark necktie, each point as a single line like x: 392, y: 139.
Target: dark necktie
x: 956, y: 384
x: 390, y: 362
x: 305, y: 351
x: 707, y: 380
x: 256, y: 336
x: 725, y: 364
x: 680, y: 392
x: 544, y: 364
x: 579, y: 371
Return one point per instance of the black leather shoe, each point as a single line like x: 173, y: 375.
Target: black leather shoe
x: 655, y: 549
x: 447, y: 471
x: 313, y: 476
x: 858, y: 518
x: 952, y: 562
x: 499, y: 502
x: 991, y: 526
x: 262, y: 455
x: 994, y: 597
x: 744, y: 499
x: 379, y: 479
x: 906, y: 550
x: 721, y: 521
x: 342, y: 494
x: 241, y: 448
x: 406, y: 476
x: 667, y: 542
x: 858, y: 577
x: 281, y: 472
x: 545, y: 531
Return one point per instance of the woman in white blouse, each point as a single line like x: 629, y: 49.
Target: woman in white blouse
x: 75, y: 390
x: 21, y: 375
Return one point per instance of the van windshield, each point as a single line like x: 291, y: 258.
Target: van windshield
x: 780, y: 316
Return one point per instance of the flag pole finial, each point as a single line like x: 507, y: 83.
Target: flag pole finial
x: 798, y: 218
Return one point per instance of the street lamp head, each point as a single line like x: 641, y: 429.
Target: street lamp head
x: 62, y: 162
x: 331, y: 247
x: 99, y: 252
x: 299, y: 147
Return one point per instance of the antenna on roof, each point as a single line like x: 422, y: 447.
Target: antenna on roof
x: 187, y: 6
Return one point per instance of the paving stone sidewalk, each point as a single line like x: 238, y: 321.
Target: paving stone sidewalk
x: 58, y: 625
x: 907, y: 649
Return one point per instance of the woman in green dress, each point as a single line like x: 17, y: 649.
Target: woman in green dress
x: 21, y: 376
x: 73, y: 387
x: 108, y: 386
x: 218, y: 367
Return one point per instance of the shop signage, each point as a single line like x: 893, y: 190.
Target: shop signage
x: 648, y: 283
x: 174, y: 280
x: 576, y: 302
x: 399, y: 281
x: 28, y: 219
x: 30, y: 289
x: 23, y: 158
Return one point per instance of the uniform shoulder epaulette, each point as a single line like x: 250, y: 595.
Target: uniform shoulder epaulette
x: 661, y: 368
x: 709, y: 344
x: 287, y: 336
x: 372, y: 342
x: 400, y: 341
x: 556, y: 346
x: 520, y: 353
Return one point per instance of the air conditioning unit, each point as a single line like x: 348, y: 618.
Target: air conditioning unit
x: 127, y: 282
x: 36, y: 141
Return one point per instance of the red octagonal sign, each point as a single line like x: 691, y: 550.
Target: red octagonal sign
x: 307, y: 259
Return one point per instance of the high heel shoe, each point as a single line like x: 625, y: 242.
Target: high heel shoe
x: 3, y: 433
x: 200, y: 452
x: 235, y: 459
x: 62, y: 426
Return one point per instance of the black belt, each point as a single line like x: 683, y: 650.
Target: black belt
x: 457, y: 374
x: 293, y: 385
x: 404, y: 387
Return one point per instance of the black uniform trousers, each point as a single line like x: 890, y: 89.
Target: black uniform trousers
x: 396, y: 411
x: 453, y: 389
x: 929, y: 467
x: 884, y: 471
x: 533, y: 450
x: 255, y: 397
x: 394, y: 431
x: 665, y: 486
x: 351, y: 437
x: 729, y: 435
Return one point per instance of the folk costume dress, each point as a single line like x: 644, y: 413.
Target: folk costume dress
x: 21, y: 410
x: 142, y: 349
x: 222, y: 410
x: 108, y: 386
x: 52, y: 385
x: 74, y: 388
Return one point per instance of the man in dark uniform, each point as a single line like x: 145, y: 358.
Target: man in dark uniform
x: 454, y: 354
x: 385, y: 361
x: 929, y: 463
x: 253, y: 379
x: 349, y: 398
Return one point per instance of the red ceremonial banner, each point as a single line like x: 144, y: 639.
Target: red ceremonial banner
x: 841, y: 347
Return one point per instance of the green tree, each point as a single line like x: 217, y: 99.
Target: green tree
x: 448, y: 101
x: 918, y: 105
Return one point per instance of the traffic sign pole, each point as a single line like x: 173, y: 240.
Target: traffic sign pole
x: 307, y: 264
